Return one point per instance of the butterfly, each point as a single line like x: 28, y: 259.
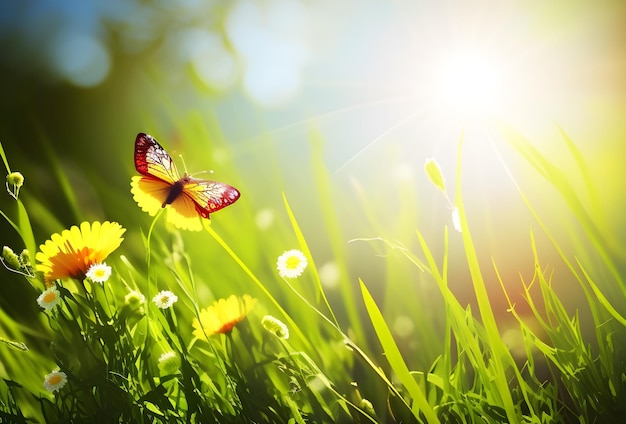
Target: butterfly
x: 160, y: 184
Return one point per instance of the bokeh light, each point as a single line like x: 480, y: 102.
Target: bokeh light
x: 80, y: 59
x: 270, y: 39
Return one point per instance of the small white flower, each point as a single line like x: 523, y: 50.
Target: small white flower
x: 49, y: 298
x: 456, y: 219
x: 99, y: 273
x: 291, y: 264
x: 164, y: 299
x: 54, y: 381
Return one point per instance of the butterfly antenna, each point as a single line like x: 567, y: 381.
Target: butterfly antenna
x: 185, y: 167
x: 201, y: 172
x: 180, y: 155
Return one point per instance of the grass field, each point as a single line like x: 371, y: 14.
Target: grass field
x: 416, y: 213
x: 238, y: 338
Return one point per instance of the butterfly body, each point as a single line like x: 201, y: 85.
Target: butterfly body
x: 160, y: 185
x: 176, y: 190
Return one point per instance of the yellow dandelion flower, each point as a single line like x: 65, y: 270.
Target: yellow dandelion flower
x: 74, y: 251
x: 222, y: 316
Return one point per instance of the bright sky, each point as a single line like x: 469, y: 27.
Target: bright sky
x: 374, y: 73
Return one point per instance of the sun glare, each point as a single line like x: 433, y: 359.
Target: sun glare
x: 469, y: 85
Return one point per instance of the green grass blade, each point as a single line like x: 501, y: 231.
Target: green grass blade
x: 601, y: 249
x: 582, y: 166
x: 13, y: 224
x: 4, y: 159
x: 62, y: 179
x: 393, y: 355
x: 23, y: 226
x: 307, y: 252
x: 601, y: 298
x: 26, y: 230
x: 561, y: 182
x: 324, y: 188
x: 501, y: 357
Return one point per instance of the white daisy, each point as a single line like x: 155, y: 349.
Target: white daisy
x: 54, y: 381
x: 99, y: 273
x: 164, y: 299
x: 49, y: 298
x: 291, y: 264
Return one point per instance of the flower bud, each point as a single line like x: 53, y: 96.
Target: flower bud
x: 25, y: 258
x: 15, y: 179
x: 10, y: 258
x: 434, y: 174
x: 134, y: 299
x: 275, y: 327
x: 169, y: 363
x: 367, y: 406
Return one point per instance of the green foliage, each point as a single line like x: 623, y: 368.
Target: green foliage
x: 127, y: 360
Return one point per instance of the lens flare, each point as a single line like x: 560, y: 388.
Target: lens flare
x: 470, y: 84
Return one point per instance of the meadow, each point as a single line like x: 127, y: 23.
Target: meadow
x: 355, y: 212
x: 240, y: 321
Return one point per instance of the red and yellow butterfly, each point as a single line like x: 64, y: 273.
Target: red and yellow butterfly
x: 160, y: 184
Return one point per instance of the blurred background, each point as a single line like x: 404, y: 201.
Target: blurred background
x: 265, y: 93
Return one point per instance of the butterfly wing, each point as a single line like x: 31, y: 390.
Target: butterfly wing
x: 151, y: 160
x: 209, y: 196
x: 158, y: 174
x: 149, y: 193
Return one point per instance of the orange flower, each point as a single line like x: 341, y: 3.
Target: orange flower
x: 71, y: 253
x: 222, y: 316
